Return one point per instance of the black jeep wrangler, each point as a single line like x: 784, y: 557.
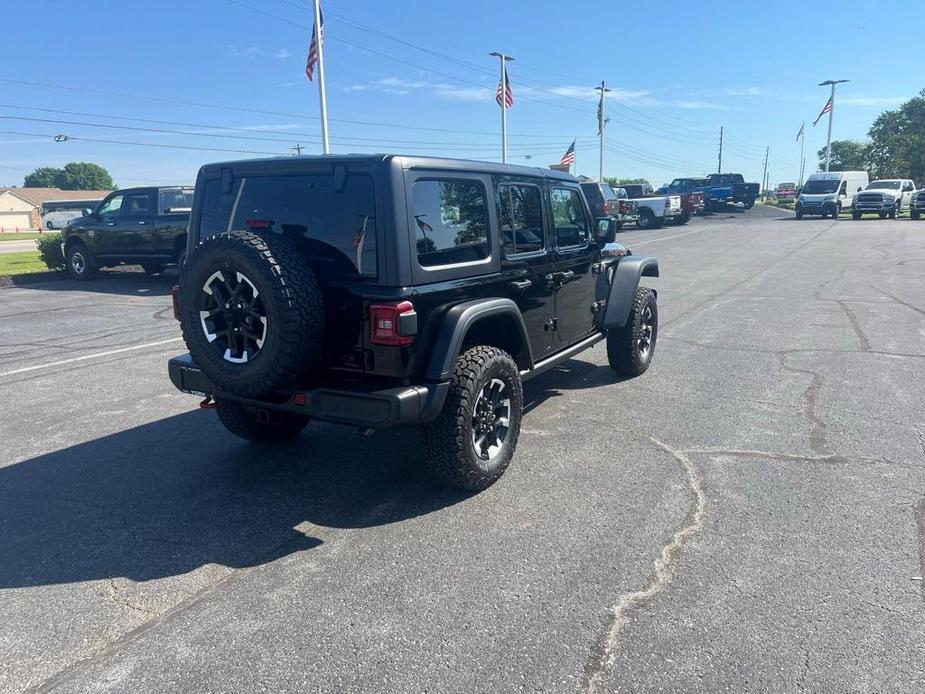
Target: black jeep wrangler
x: 382, y: 291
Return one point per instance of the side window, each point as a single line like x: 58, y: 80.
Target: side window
x: 569, y: 218
x: 843, y: 190
x: 111, y: 207
x: 521, y: 219
x: 451, y: 221
x: 136, y: 205
x: 907, y: 186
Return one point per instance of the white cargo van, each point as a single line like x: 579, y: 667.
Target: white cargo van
x: 829, y: 193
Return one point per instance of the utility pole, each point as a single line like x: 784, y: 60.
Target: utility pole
x: 297, y: 149
x: 601, y: 125
x: 503, y: 59
x: 764, y: 176
x: 828, y: 142
x: 802, y: 146
x: 719, y: 169
x: 319, y: 41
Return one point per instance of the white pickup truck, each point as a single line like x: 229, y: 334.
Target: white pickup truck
x: 654, y: 210
x: 886, y: 197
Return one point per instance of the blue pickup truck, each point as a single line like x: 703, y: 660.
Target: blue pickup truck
x: 714, y: 197
x: 743, y: 192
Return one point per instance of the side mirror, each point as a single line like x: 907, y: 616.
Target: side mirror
x: 606, y: 229
x: 859, y: 189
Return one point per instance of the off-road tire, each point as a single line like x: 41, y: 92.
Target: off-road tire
x: 80, y: 263
x: 244, y: 423
x: 291, y: 299
x: 449, y: 450
x: 152, y: 268
x: 623, y: 344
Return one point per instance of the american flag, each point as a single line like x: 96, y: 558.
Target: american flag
x: 504, y: 95
x: 569, y: 157
x: 800, y: 134
x: 313, y: 49
x: 825, y: 109
x: 422, y: 225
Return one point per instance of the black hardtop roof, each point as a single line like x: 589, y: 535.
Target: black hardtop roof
x: 406, y: 161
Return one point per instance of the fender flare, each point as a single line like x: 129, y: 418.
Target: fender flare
x: 623, y: 288
x: 456, y: 323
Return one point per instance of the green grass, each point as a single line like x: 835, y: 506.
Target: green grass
x: 21, y: 263
x: 22, y: 236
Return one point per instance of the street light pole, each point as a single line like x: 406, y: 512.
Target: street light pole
x: 602, y: 125
x: 828, y: 142
x: 322, y: 96
x: 502, y: 59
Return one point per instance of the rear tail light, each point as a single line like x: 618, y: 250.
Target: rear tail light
x: 175, y: 299
x: 392, y: 324
x: 622, y: 206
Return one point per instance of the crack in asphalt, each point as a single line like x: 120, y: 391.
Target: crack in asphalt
x: 856, y: 325
x: 125, y: 602
x: 818, y: 431
x: 602, y: 655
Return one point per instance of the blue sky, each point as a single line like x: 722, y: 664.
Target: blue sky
x: 678, y: 72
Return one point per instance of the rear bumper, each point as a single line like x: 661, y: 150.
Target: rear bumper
x: 377, y: 409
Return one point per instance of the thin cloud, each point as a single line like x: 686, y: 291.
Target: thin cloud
x: 257, y: 52
x: 701, y: 105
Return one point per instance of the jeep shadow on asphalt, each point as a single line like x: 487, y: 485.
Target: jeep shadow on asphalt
x: 123, y: 506
x: 117, y: 282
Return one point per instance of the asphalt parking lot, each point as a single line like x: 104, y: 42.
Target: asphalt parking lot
x: 747, y: 516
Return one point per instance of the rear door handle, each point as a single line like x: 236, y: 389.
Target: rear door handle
x: 521, y: 285
x: 565, y: 276
x: 142, y: 222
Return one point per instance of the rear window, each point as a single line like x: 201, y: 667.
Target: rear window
x: 334, y: 229
x: 451, y: 223
x: 608, y: 193
x: 174, y: 200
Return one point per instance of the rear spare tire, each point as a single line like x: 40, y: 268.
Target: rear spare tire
x: 251, y: 312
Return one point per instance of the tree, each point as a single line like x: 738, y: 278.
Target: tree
x: 897, y: 141
x: 45, y: 177
x: 847, y: 155
x: 77, y: 175
x: 617, y: 182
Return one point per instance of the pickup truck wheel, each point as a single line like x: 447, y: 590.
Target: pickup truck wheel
x: 855, y: 215
x: 470, y: 444
x: 914, y: 214
x: 684, y: 218
x: 882, y: 215
x: 748, y: 204
x: 646, y: 219
x: 251, y: 312
x: 247, y: 424
x: 630, y: 348
x: 80, y: 262
x: 152, y: 268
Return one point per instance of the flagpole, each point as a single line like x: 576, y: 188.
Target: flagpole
x: 319, y: 41
x: 600, y: 125
x: 802, y: 146
x: 503, y: 59
x: 828, y: 142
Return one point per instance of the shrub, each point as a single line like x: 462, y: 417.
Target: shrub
x: 50, y: 251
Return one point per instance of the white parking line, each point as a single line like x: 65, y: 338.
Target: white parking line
x: 666, y: 238
x: 90, y: 356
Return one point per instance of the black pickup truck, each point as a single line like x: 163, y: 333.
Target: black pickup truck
x: 743, y: 192
x: 143, y: 226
